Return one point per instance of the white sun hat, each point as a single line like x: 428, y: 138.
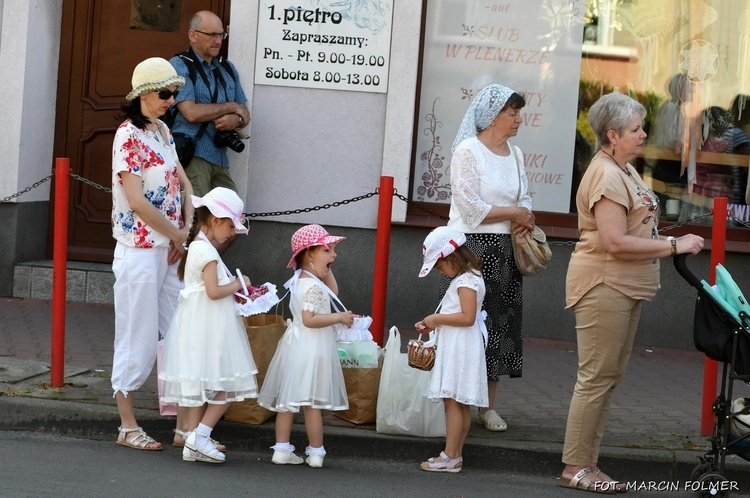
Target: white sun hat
x: 224, y: 203
x: 153, y: 74
x: 440, y: 243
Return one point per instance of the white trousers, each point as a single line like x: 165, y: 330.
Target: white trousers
x: 146, y: 292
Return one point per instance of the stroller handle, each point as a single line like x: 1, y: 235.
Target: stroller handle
x: 682, y: 269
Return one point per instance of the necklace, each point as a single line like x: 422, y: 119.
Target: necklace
x: 155, y: 133
x: 624, y: 170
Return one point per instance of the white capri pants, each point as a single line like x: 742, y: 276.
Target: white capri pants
x: 146, y: 292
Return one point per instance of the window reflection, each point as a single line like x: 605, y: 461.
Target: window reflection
x: 155, y: 15
x: 686, y: 61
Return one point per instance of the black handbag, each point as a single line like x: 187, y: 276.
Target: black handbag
x: 185, y: 146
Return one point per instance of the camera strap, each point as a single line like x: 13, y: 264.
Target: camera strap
x: 204, y: 126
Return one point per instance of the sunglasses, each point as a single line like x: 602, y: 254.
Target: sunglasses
x: 168, y: 94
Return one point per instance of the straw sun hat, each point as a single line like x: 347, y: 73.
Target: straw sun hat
x: 153, y: 74
x: 310, y: 236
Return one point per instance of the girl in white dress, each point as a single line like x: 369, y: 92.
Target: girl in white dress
x: 207, y: 358
x: 305, y: 370
x: 459, y: 376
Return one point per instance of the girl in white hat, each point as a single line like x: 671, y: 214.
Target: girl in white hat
x: 207, y: 361
x: 305, y: 370
x: 459, y: 377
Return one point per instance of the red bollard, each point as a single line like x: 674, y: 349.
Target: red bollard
x: 711, y: 367
x: 59, y: 270
x: 382, y: 249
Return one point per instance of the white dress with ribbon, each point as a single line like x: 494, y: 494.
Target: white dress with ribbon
x: 206, y: 350
x: 305, y: 370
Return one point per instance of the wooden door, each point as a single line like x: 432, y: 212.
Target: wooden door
x: 101, y: 43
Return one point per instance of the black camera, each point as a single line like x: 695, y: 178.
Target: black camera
x: 229, y: 139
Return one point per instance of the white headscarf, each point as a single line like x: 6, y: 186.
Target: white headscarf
x: 483, y: 110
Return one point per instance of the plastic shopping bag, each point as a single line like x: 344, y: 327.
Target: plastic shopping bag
x: 403, y: 406
x: 165, y: 409
x: 359, y: 354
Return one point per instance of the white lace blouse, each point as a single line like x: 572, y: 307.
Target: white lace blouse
x: 481, y: 179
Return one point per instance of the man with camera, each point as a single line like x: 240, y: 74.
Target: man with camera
x: 211, y: 107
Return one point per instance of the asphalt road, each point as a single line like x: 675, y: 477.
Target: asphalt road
x: 44, y: 465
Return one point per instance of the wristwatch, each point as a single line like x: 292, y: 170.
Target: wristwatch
x: 673, y: 241
x: 242, y: 121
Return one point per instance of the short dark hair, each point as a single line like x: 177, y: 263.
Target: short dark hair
x: 515, y: 101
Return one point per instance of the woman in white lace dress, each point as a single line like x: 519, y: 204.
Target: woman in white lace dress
x: 459, y: 376
x: 489, y: 202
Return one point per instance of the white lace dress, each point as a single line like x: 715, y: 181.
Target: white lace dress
x: 460, y: 371
x: 305, y: 370
x: 206, y: 350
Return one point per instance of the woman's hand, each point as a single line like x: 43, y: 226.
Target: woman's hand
x: 518, y: 230
x: 689, y: 244
x: 346, y: 318
x: 523, y: 217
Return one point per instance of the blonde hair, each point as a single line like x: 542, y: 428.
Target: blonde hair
x: 464, y: 260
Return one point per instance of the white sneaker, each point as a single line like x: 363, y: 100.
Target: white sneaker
x: 315, y: 460
x: 494, y: 422
x: 282, y: 457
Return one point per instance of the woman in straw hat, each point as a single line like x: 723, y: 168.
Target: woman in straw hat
x: 148, y: 223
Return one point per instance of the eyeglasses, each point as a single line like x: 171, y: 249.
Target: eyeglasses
x: 168, y: 94
x: 213, y: 36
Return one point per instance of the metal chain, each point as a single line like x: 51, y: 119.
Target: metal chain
x: 409, y: 202
x: 26, y: 190
x: 349, y: 201
x: 688, y: 222
x: 737, y: 220
x: 90, y: 183
x: 315, y: 208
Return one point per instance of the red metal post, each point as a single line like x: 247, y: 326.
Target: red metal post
x: 711, y: 367
x: 382, y: 249
x: 59, y: 270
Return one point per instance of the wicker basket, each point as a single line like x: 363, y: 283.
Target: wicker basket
x: 421, y: 357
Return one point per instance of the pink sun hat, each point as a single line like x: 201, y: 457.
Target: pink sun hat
x: 310, y: 236
x: 440, y: 243
x: 224, y: 203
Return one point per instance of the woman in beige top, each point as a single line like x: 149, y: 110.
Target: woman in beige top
x: 614, y: 268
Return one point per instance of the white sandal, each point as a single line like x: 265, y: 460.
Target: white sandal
x: 184, y: 434
x: 208, y: 450
x: 139, y: 442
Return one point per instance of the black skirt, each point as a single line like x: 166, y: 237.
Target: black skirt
x: 503, y: 302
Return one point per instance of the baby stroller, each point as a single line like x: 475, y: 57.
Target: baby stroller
x: 721, y: 329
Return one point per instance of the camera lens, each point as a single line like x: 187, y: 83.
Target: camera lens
x: 229, y: 139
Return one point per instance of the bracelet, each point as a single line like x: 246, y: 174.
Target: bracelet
x: 241, y: 120
x: 673, y: 241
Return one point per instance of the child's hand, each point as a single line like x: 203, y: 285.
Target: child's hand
x: 430, y: 323
x: 346, y: 318
x: 247, y: 280
x: 427, y: 325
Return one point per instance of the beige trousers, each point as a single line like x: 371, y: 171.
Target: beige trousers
x: 205, y: 176
x: 606, y: 321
